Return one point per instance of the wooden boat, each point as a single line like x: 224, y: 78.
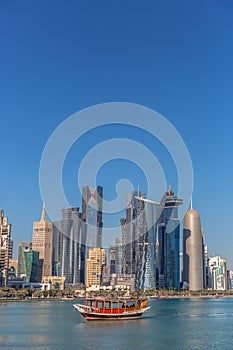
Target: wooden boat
x: 112, y: 309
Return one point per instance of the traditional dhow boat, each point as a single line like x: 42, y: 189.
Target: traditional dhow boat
x: 112, y: 309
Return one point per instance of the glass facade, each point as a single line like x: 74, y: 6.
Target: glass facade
x: 169, y: 242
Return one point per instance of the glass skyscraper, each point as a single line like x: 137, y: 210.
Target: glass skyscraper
x: 169, y: 242
x: 70, y: 227
x: 139, y: 240
x: 92, y: 205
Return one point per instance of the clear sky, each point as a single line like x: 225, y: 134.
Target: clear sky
x: 176, y: 57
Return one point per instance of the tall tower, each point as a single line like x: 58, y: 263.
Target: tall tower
x: 139, y: 240
x: 70, y: 227
x: 92, y: 203
x: 169, y: 242
x: 91, y: 230
x: 6, y: 246
x: 42, y: 239
x: 193, y: 251
x: 95, y: 263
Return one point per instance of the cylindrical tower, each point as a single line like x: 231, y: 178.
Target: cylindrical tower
x: 193, y: 251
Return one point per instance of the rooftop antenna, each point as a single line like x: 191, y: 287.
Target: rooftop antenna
x: 191, y: 203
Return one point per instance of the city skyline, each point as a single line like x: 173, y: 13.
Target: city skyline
x: 175, y: 58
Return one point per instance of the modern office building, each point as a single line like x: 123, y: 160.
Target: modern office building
x: 92, y: 202
x: 22, y: 247
x: 112, y: 259
x: 130, y: 233
x: 169, y: 241
x: 147, y: 217
x: 69, y: 245
x: 118, y: 256
x: 94, y: 266
x: 218, y: 270
x: 42, y: 240
x: 28, y: 262
x: 92, y: 224
x: 193, y: 251
x: 31, y: 265
x: 57, y: 249
x: 139, y: 240
x: 6, y: 247
x: 230, y: 280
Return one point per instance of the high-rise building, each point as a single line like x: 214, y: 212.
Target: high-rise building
x: 91, y: 225
x: 92, y: 202
x: 169, y: 242
x: 32, y: 265
x: 57, y: 249
x: 28, y: 262
x: 193, y: 251
x: 22, y: 247
x: 94, y: 266
x: 6, y: 247
x: 42, y: 239
x: 218, y: 270
x: 139, y: 240
x: 129, y: 231
x: 146, y: 229
x: 118, y: 255
x: 68, y: 250
x: 112, y: 259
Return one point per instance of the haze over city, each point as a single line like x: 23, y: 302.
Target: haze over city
x: 172, y: 57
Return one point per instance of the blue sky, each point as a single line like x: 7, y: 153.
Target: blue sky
x: 175, y: 57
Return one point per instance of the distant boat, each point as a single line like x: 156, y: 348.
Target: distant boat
x: 112, y: 309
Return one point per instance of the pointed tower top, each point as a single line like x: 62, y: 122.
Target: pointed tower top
x: 43, y: 215
x: 191, y: 203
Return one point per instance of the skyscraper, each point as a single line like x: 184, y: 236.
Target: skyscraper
x: 169, y: 242
x: 42, y: 239
x: 91, y: 226
x: 68, y: 240
x: 139, y: 240
x: 118, y: 255
x: 6, y: 247
x: 193, y: 251
x: 92, y: 216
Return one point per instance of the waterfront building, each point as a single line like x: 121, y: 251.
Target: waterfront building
x: 42, y: 239
x: 32, y: 265
x: 91, y: 226
x: 207, y: 274
x: 146, y: 230
x: 118, y: 256
x: 169, y: 241
x: 22, y: 247
x: 230, y: 279
x: 57, y: 249
x: 139, y: 240
x: 6, y: 248
x: 94, y: 266
x: 193, y: 251
x: 112, y: 259
x: 13, y: 266
x: 218, y: 270
x: 92, y: 202
x: 55, y: 282
x: 67, y: 253
x: 124, y: 245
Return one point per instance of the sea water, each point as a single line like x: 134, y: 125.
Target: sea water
x: 170, y: 324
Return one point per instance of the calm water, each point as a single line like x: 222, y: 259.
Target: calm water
x: 171, y: 324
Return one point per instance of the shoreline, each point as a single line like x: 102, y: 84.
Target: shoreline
x: 151, y: 297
